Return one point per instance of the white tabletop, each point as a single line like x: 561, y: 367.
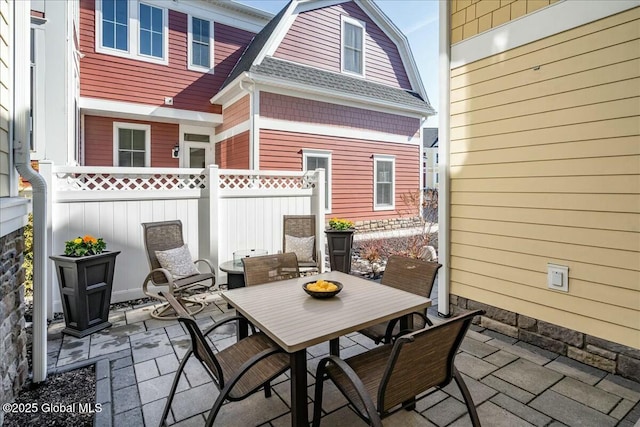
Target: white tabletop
x: 295, y: 320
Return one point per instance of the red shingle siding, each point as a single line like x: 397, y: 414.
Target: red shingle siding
x: 284, y: 107
x: 233, y: 153
x: 352, y: 163
x: 123, y: 79
x: 314, y: 39
x: 98, y: 141
x: 234, y: 114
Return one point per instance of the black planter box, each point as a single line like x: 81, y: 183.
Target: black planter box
x: 85, y: 289
x: 340, y: 242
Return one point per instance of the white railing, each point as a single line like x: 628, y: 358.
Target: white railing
x: 222, y: 211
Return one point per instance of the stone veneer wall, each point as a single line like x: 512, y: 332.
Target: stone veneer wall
x: 13, y: 339
x: 387, y: 224
x: 593, y: 351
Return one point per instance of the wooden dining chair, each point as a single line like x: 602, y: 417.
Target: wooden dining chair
x: 164, y: 243
x: 381, y: 381
x: 238, y: 371
x: 408, y: 274
x: 269, y: 268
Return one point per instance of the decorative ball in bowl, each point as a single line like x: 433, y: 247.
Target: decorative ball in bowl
x: 322, y: 288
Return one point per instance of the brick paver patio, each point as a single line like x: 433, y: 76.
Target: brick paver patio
x: 512, y: 383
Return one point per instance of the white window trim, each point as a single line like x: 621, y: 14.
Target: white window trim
x: 190, y: 65
x: 133, y: 28
x: 306, y: 153
x: 384, y: 158
x: 357, y: 23
x: 38, y: 122
x: 136, y: 126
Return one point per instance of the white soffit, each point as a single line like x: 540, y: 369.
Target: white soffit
x: 542, y: 23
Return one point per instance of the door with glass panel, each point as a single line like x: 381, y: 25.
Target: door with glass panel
x: 197, y: 148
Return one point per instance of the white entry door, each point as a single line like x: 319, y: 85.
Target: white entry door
x: 196, y: 146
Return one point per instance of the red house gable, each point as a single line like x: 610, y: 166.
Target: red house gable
x: 314, y: 39
x: 116, y: 78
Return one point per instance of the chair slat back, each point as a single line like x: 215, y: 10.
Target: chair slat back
x: 300, y: 226
x: 161, y: 236
x: 201, y: 349
x: 421, y: 360
x: 409, y: 274
x: 269, y: 268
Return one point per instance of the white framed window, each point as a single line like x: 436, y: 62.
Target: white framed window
x: 353, y: 46
x: 200, y: 40
x: 384, y: 181
x: 132, y: 29
x: 131, y: 145
x: 317, y: 159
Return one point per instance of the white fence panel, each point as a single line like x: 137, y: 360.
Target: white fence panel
x: 221, y: 212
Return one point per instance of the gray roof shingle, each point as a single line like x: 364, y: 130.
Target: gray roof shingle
x: 272, y: 67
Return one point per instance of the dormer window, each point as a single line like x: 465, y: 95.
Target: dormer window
x: 353, y: 46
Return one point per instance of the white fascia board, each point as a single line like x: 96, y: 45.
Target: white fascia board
x: 229, y: 92
x: 130, y: 110
x: 361, y: 101
x: 278, y: 33
x: 253, y: 21
x: 545, y: 22
x: 337, y: 131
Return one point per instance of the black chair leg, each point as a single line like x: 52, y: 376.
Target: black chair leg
x: 267, y: 389
x: 317, y: 398
x: 475, y: 421
x: 174, y: 386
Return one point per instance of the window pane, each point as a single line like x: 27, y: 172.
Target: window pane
x: 108, y: 36
x: 145, y: 17
x: 122, y: 13
x: 156, y: 21
x: 352, y: 48
x: 124, y: 158
x: 125, y: 141
x: 196, y: 157
x: 122, y: 37
x: 137, y: 159
x: 138, y: 139
x: 108, y: 10
x: 194, y: 137
x: 145, y: 42
x: 383, y: 194
x: 156, y: 45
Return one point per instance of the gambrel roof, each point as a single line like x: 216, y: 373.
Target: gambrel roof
x: 257, y: 62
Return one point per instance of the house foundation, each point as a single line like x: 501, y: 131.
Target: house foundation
x: 13, y: 342
x: 387, y: 224
x: 590, y: 350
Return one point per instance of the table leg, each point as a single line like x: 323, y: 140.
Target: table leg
x: 334, y: 347
x: 299, y: 415
x: 243, y: 328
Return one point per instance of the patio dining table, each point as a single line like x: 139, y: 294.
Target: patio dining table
x: 296, y: 321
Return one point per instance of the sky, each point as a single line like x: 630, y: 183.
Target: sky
x: 418, y: 20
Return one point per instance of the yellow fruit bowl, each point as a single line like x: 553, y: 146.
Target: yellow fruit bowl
x: 322, y: 288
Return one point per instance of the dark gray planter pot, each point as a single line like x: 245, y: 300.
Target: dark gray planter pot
x: 85, y: 289
x: 340, y: 243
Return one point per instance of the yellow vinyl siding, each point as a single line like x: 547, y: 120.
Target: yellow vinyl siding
x: 545, y: 168
x: 4, y: 98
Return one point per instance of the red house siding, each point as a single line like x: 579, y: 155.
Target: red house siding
x: 234, y: 114
x: 352, y: 164
x: 123, y: 79
x: 284, y: 107
x: 233, y: 153
x: 98, y: 141
x: 314, y: 39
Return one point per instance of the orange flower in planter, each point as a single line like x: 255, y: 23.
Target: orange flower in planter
x: 83, y: 246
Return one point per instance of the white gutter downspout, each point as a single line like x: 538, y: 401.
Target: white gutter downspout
x: 22, y: 162
x: 444, y: 199
x: 254, y: 131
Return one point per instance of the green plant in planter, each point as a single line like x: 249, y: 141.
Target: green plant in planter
x: 83, y: 246
x: 340, y: 224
